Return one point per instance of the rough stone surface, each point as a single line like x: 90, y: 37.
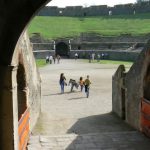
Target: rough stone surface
x: 134, y: 88
x: 135, y: 80
x: 32, y: 85
x: 118, y: 92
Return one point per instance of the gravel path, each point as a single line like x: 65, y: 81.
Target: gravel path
x: 71, y: 121
x: 73, y: 112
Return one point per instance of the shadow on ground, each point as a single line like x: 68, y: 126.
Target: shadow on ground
x: 99, y: 123
x: 77, y: 98
x: 53, y: 94
x: 106, y: 132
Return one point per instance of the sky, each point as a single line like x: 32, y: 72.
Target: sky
x: 85, y: 3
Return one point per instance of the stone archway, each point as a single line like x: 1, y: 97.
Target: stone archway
x: 15, y: 16
x: 62, y: 49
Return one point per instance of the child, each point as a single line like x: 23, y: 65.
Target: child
x: 81, y: 83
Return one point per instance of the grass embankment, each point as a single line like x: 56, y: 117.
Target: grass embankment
x: 40, y: 62
x: 113, y: 62
x: 127, y: 64
x: 54, y: 27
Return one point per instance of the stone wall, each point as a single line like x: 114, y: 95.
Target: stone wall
x: 84, y: 54
x: 23, y: 55
x: 118, y: 92
x: 134, y: 88
x: 88, y: 41
x: 101, y: 10
x: 118, y: 48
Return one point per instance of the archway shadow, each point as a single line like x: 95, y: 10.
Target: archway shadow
x: 99, y: 123
x: 106, y: 131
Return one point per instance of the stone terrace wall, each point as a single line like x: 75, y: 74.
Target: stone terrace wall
x: 101, y: 10
x: 91, y: 41
x: 117, y: 48
x: 84, y: 54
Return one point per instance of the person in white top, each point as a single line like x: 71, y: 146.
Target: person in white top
x: 47, y: 59
x: 50, y: 59
x: 76, y: 56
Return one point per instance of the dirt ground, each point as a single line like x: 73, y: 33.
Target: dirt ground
x: 72, y: 112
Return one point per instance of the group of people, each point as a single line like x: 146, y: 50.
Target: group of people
x: 92, y: 57
x: 50, y: 59
x: 82, y: 83
x: 98, y: 56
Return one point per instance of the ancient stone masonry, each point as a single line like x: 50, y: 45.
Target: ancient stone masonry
x: 88, y: 41
x: 124, y: 47
x: 26, y: 88
x: 20, y: 90
x: 15, y: 15
x: 143, y: 7
x: 135, y: 88
x: 32, y: 82
x: 118, y: 86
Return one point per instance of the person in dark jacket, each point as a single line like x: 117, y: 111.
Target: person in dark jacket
x: 73, y: 84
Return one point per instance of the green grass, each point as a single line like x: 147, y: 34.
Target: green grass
x: 54, y: 27
x: 40, y: 62
x: 114, y: 62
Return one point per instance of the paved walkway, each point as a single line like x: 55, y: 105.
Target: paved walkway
x: 81, y: 121
x: 98, y: 141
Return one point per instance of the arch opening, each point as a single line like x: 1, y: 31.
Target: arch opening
x: 21, y: 90
x: 62, y: 49
x: 147, y: 84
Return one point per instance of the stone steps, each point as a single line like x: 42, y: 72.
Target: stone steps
x: 128, y: 140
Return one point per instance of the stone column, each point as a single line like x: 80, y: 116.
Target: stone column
x: 54, y: 46
x: 70, y: 45
x: 8, y: 108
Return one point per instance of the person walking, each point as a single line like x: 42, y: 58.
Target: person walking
x: 73, y: 84
x: 87, y: 83
x: 47, y: 59
x: 81, y: 83
x: 76, y: 56
x: 58, y: 59
x: 98, y: 57
x: 90, y: 58
x: 50, y: 59
x: 62, y: 82
x: 93, y: 57
x: 54, y: 58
